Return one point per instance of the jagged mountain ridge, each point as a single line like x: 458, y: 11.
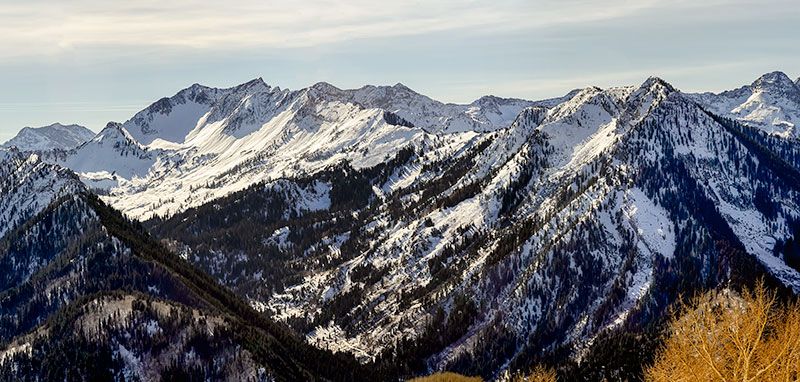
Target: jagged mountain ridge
x: 487, y: 113
x: 55, y: 136
x: 583, y: 215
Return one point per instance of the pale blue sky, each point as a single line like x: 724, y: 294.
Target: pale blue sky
x: 90, y: 62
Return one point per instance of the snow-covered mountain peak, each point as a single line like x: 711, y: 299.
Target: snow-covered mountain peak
x: 114, y: 137
x: 771, y: 103
x: 246, y: 108
x: 401, y: 86
x: 370, y: 96
x: 493, y: 103
x: 255, y: 85
x: 496, y: 111
x: 113, y: 131
x: 112, y: 153
x: 325, y: 88
x: 55, y: 136
x: 488, y: 100
x: 111, y: 125
x: 384, y: 95
x: 655, y: 84
x: 590, y: 122
x: 585, y: 106
x: 196, y: 93
x: 170, y: 119
x: 778, y: 86
x: 486, y: 114
x: 328, y: 92
x: 775, y: 81
x: 578, y: 100
x: 649, y: 94
x: 58, y: 125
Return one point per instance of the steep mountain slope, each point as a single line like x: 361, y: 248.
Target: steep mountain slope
x: 82, y: 286
x: 55, y: 136
x: 484, y: 253
x: 27, y: 186
x: 771, y: 102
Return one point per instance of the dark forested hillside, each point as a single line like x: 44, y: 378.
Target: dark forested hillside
x: 105, y: 293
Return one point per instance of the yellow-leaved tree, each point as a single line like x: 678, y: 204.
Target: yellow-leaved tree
x: 538, y: 374
x: 728, y: 337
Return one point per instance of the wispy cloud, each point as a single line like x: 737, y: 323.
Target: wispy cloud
x: 69, y: 106
x: 49, y: 27
x: 686, y: 78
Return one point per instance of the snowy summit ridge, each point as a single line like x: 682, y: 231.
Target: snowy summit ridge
x: 771, y: 103
x: 55, y: 136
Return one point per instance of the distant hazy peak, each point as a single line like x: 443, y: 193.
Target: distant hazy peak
x: 771, y: 103
x: 325, y: 87
x: 493, y: 100
x: 55, y: 136
x: 255, y: 85
x: 654, y: 82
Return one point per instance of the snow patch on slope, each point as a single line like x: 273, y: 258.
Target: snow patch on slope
x: 650, y: 222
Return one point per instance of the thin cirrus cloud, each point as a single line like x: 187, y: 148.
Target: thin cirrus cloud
x: 57, y: 27
x: 609, y: 79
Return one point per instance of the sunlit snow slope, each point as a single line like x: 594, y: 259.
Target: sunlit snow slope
x: 204, y: 143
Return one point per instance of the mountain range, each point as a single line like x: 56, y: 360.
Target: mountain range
x: 382, y: 226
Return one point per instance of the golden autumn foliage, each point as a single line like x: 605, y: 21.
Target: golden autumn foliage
x: 538, y: 374
x: 446, y: 377
x: 722, y: 337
